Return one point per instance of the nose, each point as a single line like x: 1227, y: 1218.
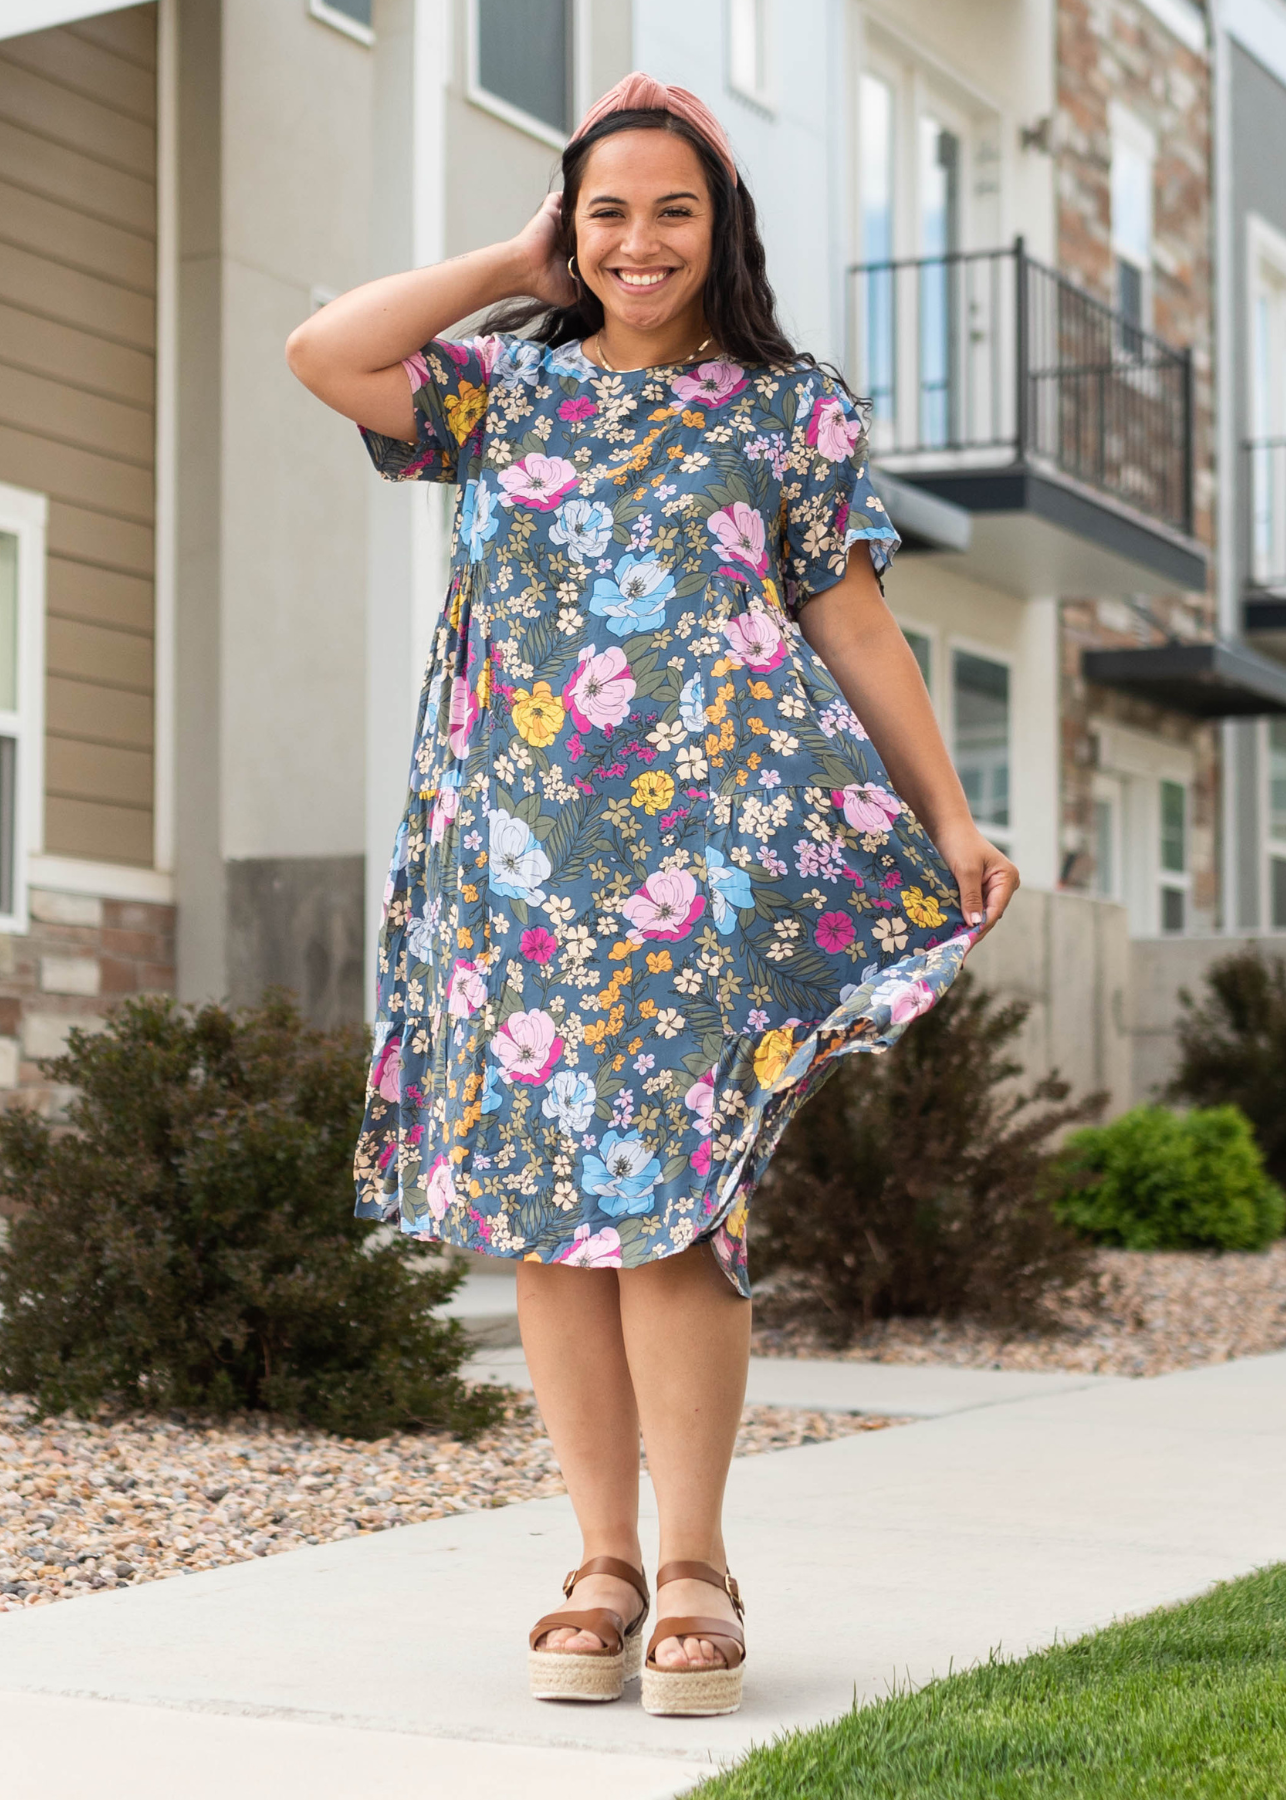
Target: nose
x: 639, y: 240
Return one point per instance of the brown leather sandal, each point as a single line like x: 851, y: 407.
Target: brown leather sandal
x: 590, y: 1674
x: 698, y: 1693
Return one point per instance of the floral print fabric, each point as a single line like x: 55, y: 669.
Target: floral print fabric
x: 652, y: 879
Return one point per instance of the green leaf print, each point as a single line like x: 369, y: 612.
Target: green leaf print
x: 674, y: 1166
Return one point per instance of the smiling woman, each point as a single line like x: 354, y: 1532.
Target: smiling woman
x: 654, y: 877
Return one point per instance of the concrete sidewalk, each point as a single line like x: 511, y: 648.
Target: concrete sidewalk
x: 889, y: 1554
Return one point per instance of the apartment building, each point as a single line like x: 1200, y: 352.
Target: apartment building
x: 999, y: 217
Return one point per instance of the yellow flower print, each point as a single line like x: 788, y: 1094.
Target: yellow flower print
x: 658, y: 961
x: 463, y: 410
x: 774, y: 1051
x: 653, y: 791
x: 484, y: 683
x: 922, y: 908
x: 538, y: 714
x: 735, y: 1223
x: 771, y: 595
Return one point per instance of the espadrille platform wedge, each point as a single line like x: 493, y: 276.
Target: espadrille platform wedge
x: 590, y: 1674
x: 696, y: 1693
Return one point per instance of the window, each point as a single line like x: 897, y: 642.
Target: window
x: 1108, y: 844
x: 352, y: 17
x: 522, y: 61
x: 980, y: 720
x: 1267, y: 409
x: 1277, y: 823
x: 1133, y: 155
x: 1173, y: 857
x: 22, y: 606
x: 748, y: 48
x: 875, y: 232
x: 939, y: 235
x: 922, y: 650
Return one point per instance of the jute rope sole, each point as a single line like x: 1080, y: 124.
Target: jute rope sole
x: 694, y: 1693
x: 563, y: 1675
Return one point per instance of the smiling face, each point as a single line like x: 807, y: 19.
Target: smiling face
x: 644, y: 221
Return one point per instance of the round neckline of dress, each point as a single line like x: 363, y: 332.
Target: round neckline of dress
x: 644, y: 368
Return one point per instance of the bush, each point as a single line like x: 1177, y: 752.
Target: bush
x: 1157, y: 1180
x: 190, y: 1242
x: 908, y: 1184
x: 1232, y: 1048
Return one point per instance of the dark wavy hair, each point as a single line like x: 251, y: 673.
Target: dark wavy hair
x: 740, y: 307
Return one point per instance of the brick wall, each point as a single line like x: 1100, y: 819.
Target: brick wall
x: 79, y: 957
x: 1117, y: 50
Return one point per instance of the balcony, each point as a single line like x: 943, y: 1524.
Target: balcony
x: 1061, y: 427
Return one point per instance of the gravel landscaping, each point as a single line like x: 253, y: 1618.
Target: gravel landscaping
x: 1163, y: 1310
x: 91, y: 1505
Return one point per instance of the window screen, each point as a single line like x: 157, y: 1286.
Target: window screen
x: 1174, y: 832
x: 524, y: 57
x: 359, y: 11
x: 8, y: 622
x: 922, y: 650
x: 981, y: 715
x: 1277, y: 778
x: 1277, y: 882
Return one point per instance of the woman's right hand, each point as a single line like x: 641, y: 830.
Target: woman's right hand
x: 539, y: 244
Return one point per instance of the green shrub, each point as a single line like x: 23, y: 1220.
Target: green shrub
x: 908, y: 1184
x: 190, y: 1241
x: 1232, y: 1048
x: 1158, y: 1180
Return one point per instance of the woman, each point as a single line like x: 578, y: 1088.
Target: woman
x: 653, y: 877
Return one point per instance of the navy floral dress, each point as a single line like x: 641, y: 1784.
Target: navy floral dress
x: 652, y: 879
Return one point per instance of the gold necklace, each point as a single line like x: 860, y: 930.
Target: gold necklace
x: 613, y: 370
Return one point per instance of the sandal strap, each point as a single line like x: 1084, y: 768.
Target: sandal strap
x: 700, y: 1571
x: 697, y: 1627
x: 604, y: 1624
x: 611, y: 1565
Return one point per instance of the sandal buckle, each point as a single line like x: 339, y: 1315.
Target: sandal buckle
x: 734, y: 1594
x: 569, y: 1583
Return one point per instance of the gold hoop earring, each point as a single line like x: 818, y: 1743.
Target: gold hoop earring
x: 571, y: 266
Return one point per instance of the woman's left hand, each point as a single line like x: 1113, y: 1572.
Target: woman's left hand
x: 985, y: 876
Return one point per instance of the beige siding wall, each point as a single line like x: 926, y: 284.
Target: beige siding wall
x: 77, y: 344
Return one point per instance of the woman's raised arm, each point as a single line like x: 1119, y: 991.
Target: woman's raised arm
x: 349, y: 353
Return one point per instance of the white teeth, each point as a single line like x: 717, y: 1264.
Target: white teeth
x: 642, y: 280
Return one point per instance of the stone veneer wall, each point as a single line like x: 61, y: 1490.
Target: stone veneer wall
x: 79, y: 956
x: 1118, y: 50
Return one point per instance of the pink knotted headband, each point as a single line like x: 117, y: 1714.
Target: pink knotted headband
x: 643, y: 93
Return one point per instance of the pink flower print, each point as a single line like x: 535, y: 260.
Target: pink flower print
x: 841, y: 518
x: 908, y: 1001
x: 892, y: 880
x: 386, y: 1076
x: 600, y: 690
x: 712, y: 385
x: 835, y: 931
x: 867, y: 807
x: 756, y: 639
x: 467, y: 990
x: 666, y: 906
x: 582, y: 407
x: 830, y: 432
x: 740, y: 531
x: 445, y: 807
x: 527, y: 1046
x: 700, y: 1158
x: 700, y: 1097
x: 464, y: 715
x: 542, y: 482
x: 599, y: 1250
x: 417, y: 371
x: 487, y: 350
x: 440, y: 1192
x: 538, y: 945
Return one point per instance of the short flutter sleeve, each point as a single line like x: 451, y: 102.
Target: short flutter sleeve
x: 449, y: 387
x: 829, y: 502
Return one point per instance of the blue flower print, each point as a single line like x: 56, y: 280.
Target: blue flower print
x: 692, y: 705
x: 570, y: 1099
x: 493, y: 1097
x: 622, y: 1175
x: 633, y: 599
x: 516, y: 864
x: 479, y: 519
x: 585, y: 527
x: 729, y: 889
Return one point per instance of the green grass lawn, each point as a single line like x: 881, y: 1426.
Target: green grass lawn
x: 1189, y: 1701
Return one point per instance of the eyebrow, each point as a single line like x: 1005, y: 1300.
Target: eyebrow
x: 616, y: 200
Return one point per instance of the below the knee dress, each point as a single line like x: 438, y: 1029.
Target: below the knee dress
x: 652, y: 880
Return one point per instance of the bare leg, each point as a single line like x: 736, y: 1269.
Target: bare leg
x: 571, y: 1331
x: 687, y: 1338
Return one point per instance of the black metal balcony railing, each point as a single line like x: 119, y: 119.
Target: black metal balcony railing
x: 1265, y: 495
x: 978, y: 353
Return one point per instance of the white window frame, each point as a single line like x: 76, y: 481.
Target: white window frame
x: 1109, y: 790
x: 25, y: 515
x: 1141, y: 763
x: 1007, y: 835
x: 763, y: 96
x: 340, y: 21
x: 1130, y: 133
x: 479, y: 96
x: 1265, y: 279
x: 1274, y: 847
